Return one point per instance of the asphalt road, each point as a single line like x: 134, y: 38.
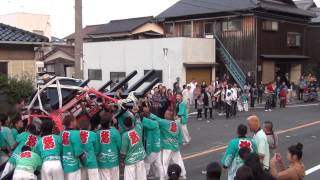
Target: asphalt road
x: 295, y: 124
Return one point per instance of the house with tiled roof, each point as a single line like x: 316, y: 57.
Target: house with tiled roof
x: 257, y: 40
x: 312, y: 36
x: 17, y: 51
x: 123, y: 29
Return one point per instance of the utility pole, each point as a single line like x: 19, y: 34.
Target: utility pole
x: 78, y: 41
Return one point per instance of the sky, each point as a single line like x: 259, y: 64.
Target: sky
x: 94, y: 11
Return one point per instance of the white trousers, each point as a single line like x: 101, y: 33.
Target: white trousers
x: 7, y: 169
x: 155, y: 160
x: 72, y: 175
x: 91, y: 174
x: 169, y: 156
x: 52, y: 170
x: 23, y: 175
x: 185, y: 133
x: 243, y: 106
x: 135, y: 171
x: 109, y: 174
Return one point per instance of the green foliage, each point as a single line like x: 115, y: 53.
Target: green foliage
x: 15, y: 89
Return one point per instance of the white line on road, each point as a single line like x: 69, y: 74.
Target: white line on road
x: 312, y: 170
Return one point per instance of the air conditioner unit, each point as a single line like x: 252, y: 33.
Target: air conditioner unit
x: 209, y: 36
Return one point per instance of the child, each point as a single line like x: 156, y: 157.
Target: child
x: 271, y: 136
x: 283, y: 96
x: 27, y: 163
x: 89, y: 144
x: 71, y: 149
x: 17, y: 126
x: 171, y: 140
x: 133, y: 151
x: 174, y: 172
x: 29, y: 139
x: 199, y: 102
x: 109, y: 142
x: 214, y: 171
x: 50, y: 150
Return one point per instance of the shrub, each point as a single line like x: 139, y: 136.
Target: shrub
x: 15, y: 89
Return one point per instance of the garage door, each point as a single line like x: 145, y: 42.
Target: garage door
x: 199, y: 74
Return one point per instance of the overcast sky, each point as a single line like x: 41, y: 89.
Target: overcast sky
x: 94, y: 11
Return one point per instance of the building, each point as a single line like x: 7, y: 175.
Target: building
x: 124, y: 29
x: 181, y: 57
x: 312, y: 42
x: 36, y: 23
x: 17, y: 51
x: 256, y: 39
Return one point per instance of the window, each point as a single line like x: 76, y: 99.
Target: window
x: 208, y: 29
x: 117, y: 76
x: 4, y: 68
x: 168, y: 28
x: 157, y: 74
x: 95, y: 74
x: 234, y: 25
x: 186, y: 29
x: 270, y: 25
x: 294, y: 39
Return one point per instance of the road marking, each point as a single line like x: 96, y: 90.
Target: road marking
x: 293, y: 106
x: 220, y: 148
x: 312, y: 170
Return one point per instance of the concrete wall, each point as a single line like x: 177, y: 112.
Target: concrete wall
x: 268, y: 72
x: 140, y: 55
x: 20, y: 60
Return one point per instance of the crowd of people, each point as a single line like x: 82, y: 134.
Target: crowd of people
x: 145, y: 140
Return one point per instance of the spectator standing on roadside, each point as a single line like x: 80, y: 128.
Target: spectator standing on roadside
x: 302, y: 86
x: 272, y: 137
x: 176, y: 86
x: 200, y: 106
x: 156, y: 102
x: 261, y: 89
x: 228, y: 101
x: 295, y: 171
x: 283, y: 95
x: 235, y: 95
x: 207, y: 101
x: 172, y: 100
x: 192, y: 85
x: 186, y: 93
x: 269, y: 97
x: 164, y: 101
x: 196, y: 94
x: 253, y: 94
x: 261, y: 140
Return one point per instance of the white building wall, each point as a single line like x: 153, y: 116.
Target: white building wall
x: 140, y: 55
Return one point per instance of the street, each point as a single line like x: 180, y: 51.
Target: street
x: 297, y: 123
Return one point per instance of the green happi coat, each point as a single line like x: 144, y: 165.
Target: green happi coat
x: 23, y: 139
x: 231, y: 158
x: 132, y: 146
x: 109, y: 144
x: 49, y: 147
x: 170, y: 133
x: 121, y: 120
x: 8, y: 137
x: 71, y: 150
x: 151, y: 136
x: 89, y: 144
x: 182, y: 112
x: 29, y: 161
x: 15, y: 133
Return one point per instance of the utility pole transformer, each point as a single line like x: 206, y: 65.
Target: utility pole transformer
x: 78, y: 41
